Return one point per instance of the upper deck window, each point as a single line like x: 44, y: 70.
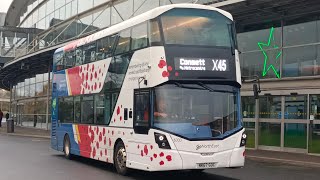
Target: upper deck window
x: 89, y: 52
x: 105, y: 47
x: 69, y: 59
x: 124, y: 42
x: 196, y: 27
x: 139, y: 36
x: 58, y: 61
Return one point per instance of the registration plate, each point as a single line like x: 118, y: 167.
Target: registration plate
x: 205, y: 165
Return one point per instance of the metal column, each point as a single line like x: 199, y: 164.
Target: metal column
x: 1, y: 43
x: 48, y: 94
x: 256, y: 127
x: 282, y: 122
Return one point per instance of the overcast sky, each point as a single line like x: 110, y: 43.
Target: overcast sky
x: 5, y: 5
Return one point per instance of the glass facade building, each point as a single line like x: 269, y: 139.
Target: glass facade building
x: 297, y: 43
x: 285, y: 117
x: 30, y: 101
x: 281, y: 45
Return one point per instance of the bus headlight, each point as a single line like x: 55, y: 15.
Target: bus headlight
x: 162, y: 141
x: 243, y: 140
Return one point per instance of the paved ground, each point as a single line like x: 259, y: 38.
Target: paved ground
x: 31, y: 158
x: 26, y: 131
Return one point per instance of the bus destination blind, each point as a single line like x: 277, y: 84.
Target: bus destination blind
x: 201, y: 64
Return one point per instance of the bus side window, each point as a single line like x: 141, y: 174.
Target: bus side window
x: 60, y: 64
x: 79, y: 59
x: 87, y: 109
x: 142, y: 111
x: 65, y: 109
x: 77, y: 109
x: 89, y: 52
x: 99, y: 109
x: 123, y: 42
x: 57, y: 58
x: 69, y: 59
x: 154, y: 33
x: 139, y: 36
x: 105, y: 47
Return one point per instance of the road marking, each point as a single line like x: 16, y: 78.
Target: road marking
x: 286, y: 161
x: 37, y: 140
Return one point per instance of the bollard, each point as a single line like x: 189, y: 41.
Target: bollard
x: 10, y: 125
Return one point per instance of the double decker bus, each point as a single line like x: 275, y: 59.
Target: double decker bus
x: 157, y: 92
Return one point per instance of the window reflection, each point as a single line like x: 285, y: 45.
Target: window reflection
x: 139, y: 36
x: 196, y: 27
x: 45, y: 87
x: 27, y: 91
x: 87, y: 109
x: 66, y: 110
x: 32, y: 90
x: 119, y: 66
x: 248, y: 107
x: 300, y: 61
x: 39, y: 89
x: 77, y: 110
x: 295, y: 107
x: 89, y: 53
x: 303, y: 33
x: 248, y: 41
x: 124, y: 42
x: 99, y: 106
x: 41, y: 106
x: 105, y: 47
x: 314, y: 107
x: 270, y: 107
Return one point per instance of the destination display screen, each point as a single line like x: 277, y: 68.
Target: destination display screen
x: 201, y: 64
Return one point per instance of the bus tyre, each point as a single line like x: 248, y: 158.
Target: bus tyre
x: 67, y: 147
x: 120, y: 159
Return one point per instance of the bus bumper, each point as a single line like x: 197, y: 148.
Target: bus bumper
x: 229, y: 158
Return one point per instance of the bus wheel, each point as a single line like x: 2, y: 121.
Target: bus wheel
x: 67, y: 147
x: 120, y: 159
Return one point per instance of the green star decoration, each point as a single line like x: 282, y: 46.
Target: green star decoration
x: 266, y: 58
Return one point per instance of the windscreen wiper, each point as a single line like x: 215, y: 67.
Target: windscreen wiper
x: 210, y: 89
x: 186, y: 87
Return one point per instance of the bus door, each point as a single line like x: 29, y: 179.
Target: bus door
x: 142, y: 111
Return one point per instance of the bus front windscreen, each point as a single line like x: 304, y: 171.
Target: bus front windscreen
x: 196, y: 111
x: 197, y: 27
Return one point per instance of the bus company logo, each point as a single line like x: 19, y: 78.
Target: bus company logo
x: 206, y: 146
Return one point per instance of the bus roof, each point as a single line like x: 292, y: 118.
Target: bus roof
x: 134, y: 21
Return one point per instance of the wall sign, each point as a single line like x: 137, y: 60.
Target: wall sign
x: 269, y: 60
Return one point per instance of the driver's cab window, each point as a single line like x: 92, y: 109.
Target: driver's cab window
x: 142, y: 111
